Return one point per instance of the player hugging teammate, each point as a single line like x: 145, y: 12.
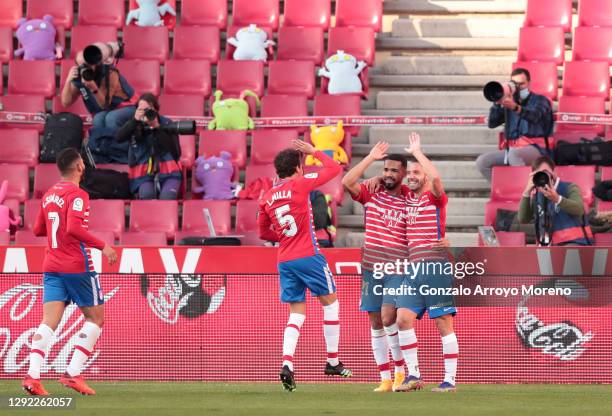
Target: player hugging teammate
x: 404, y: 222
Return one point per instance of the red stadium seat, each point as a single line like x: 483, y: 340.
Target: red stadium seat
x: 86, y: 35
x: 301, y: 44
x: 233, y: 77
x: 508, y: 182
x: 603, y: 239
x: 182, y: 105
x: 45, y: 176
x: 214, y: 141
x: 338, y: 105
x: 204, y: 13
x: 169, y: 20
x: 314, y: 13
x: 6, y: 44
x: 263, y: 13
x: 365, y: 84
x: 194, y: 222
x: 197, y: 42
x: 592, y: 44
x: 10, y: 12
x: 18, y: 179
x: 146, y: 43
x: 107, y: 215
x: 259, y: 171
x: 544, y: 78
x: 540, y: 13
x: 30, y: 212
x: 266, y: 144
x: 542, y: 44
x: 606, y: 173
x: 142, y: 75
x: 5, y: 238
x: 333, y: 188
x: 78, y: 107
x: 492, y: 206
x: 102, y: 13
x: 187, y: 76
x: 363, y: 13
x: 595, y: 13
x: 13, y: 206
x: 27, y: 238
x: 295, y: 106
x: 24, y: 103
x: 583, y: 176
x: 188, y: 150
x: 508, y: 239
x: 246, y: 222
x: 61, y: 10
x: 32, y: 78
x: 106, y: 236
x: 230, y: 49
x: 19, y: 146
x: 292, y: 78
x: 587, y: 105
x: 165, y: 218
x: 144, y: 239
x: 590, y: 79
x: 357, y: 41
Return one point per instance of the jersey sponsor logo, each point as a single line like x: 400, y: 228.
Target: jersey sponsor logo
x: 411, y: 215
x: 77, y: 204
x: 53, y: 199
x: 312, y: 175
x: 392, y: 217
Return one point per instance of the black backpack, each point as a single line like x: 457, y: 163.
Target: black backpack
x: 320, y: 214
x: 62, y: 130
x: 587, y: 152
x: 106, y: 184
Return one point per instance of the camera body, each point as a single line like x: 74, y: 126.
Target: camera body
x: 541, y: 179
x: 86, y: 73
x: 98, y: 54
x: 181, y: 127
x: 495, y: 91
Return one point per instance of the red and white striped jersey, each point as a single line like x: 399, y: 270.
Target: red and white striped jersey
x: 426, y: 224
x: 385, y: 225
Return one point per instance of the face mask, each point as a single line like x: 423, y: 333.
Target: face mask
x: 523, y: 94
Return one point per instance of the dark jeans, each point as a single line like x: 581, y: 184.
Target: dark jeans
x: 169, y: 190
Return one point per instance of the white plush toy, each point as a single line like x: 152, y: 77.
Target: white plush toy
x: 343, y: 72
x: 149, y: 13
x: 251, y: 44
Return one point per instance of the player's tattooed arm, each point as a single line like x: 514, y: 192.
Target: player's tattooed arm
x: 352, y: 177
x: 430, y: 170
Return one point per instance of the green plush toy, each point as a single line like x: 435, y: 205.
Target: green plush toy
x: 232, y: 113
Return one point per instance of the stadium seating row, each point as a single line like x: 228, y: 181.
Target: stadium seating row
x: 539, y: 13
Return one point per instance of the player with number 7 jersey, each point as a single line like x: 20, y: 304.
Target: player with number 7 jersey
x: 285, y: 216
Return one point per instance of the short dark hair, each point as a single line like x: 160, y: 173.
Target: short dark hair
x: 521, y: 71
x: 398, y: 158
x: 542, y: 160
x: 151, y: 99
x: 66, y: 158
x: 286, y: 162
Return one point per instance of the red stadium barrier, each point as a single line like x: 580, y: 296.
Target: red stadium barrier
x: 205, y: 324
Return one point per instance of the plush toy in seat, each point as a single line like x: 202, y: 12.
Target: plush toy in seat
x: 251, y: 44
x: 149, y: 13
x: 343, y: 72
x: 215, y: 176
x: 232, y: 113
x: 6, y: 219
x: 37, y: 40
x: 328, y: 140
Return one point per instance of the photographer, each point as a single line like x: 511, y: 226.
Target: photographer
x: 154, y: 152
x: 527, y: 119
x: 557, y: 206
x: 105, y: 92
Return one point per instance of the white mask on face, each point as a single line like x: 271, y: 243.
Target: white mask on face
x: 524, y: 93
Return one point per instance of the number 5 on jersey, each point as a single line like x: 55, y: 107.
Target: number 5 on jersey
x: 286, y: 220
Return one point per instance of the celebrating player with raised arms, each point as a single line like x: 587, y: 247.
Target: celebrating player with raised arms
x: 285, y: 215
x: 426, y: 223
x: 385, y: 241
x: 68, y: 274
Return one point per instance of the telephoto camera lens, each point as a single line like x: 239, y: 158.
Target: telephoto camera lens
x: 180, y: 127
x: 150, y: 114
x: 541, y: 179
x: 86, y: 73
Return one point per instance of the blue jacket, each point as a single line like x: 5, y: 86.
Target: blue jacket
x: 534, y: 120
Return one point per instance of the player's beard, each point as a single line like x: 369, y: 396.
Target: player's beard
x: 390, y: 184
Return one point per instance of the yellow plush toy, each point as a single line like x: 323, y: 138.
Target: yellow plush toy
x: 327, y: 139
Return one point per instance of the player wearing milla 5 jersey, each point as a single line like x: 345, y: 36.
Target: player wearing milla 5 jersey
x: 68, y: 274
x: 285, y: 215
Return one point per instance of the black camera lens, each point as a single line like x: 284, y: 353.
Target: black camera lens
x: 181, y: 127
x: 92, y: 55
x: 87, y: 73
x: 541, y: 179
x: 150, y: 114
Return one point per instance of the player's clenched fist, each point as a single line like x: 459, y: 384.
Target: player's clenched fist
x: 110, y: 253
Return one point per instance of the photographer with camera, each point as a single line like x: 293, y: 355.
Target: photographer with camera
x: 105, y: 92
x: 154, y: 151
x: 527, y: 119
x: 557, y: 206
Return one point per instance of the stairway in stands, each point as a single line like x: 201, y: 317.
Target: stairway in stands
x: 433, y: 58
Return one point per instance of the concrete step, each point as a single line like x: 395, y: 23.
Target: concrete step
x: 430, y: 100
x: 448, y: 65
x: 451, y: 220
x: 458, y: 170
x: 450, y: 44
x: 457, y: 27
x: 440, y: 7
x: 422, y: 113
x: 434, y: 135
x: 467, y: 206
x: 355, y: 239
x: 433, y: 149
x: 432, y: 81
